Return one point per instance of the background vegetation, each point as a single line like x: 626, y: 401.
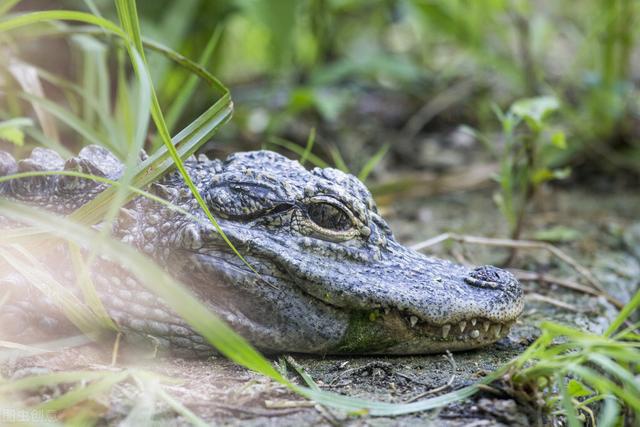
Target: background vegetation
x: 546, y: 89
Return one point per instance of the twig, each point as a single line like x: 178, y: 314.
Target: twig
x: 327, y: 415
x: 488, y: 388
x: 255, y: 412
x: 375, y: 364
x: 533, y: 276
x: 116, y: 349
x: 458, y: 255
x: 288, y: 404
x: 554, y: 302
x: 523, y: 244
x: 454, y: 368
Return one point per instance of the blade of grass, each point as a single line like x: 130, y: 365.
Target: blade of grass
x: 28, y: 79
x: 317, y: 161
x: 6, y: 5
x: 37, y: 275
x: 70, y: 119
x: 624, y: 314
x: 179, y: 104
x: 338, y: 160
x: 372, y: 162
x: 128, y: 16
x: 80, y: 394
x: 311, y: 139
x: 94, y: 75
x: 37, y: 381
x: 85, y: 284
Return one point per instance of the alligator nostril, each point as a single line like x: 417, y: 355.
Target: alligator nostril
x: 488, y: 276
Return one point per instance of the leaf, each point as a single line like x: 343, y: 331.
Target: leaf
x: 27, y: 77
x: 13, y: 135
x: 545, y: 174
x: 578, y: 389
x: 559, y: 140
x: 535, y: 110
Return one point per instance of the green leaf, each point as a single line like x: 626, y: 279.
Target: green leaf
x: 535, y: 110
x: 578, y: 389
x: 311, y: 139
x: 12, y: 135
x: 558, y: 139
x: 10, y: 130
x: 567, y: 405
x: 545, y: 174
x: 6, y: 5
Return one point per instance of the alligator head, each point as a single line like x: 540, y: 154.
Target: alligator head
x: 330, y: 276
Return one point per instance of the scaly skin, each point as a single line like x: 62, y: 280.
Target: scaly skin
x: 332, y: 279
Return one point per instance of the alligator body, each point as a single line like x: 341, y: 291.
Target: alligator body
x: 332, y: 279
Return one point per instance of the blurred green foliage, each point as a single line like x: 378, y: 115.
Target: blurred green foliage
x: 306, y: 63
x: 318, y: 56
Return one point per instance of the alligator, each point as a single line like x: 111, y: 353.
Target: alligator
x: 323, y: 272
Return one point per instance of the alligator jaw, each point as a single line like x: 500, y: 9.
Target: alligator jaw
x: 394, y: 332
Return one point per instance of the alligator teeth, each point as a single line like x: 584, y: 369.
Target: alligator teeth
x: 475, y: 333
x: 445, y: 330
x: 485, y: 325
x: 473, y: 322
x: 413, y: 320
x: 462, y: 325
x: 497, y: 330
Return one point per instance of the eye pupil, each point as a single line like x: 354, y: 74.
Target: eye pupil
x: 329, y: 217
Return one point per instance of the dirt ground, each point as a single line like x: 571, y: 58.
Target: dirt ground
x: 225, y: 394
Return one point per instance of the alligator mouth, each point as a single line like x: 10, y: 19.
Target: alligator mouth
x: 392, y: 331
x: 395, y: 332
x: 478, y: 329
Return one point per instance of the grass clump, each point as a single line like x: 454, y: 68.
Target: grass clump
x: 581, y: 378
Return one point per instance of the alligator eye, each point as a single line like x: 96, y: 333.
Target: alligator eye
x: 329, y: 217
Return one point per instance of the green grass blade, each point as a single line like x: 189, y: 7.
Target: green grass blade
x: 128, y: 16
x: 13, y: 22
x: 74, y: 309
x: 311, y: 139
x: 624, y: 314
x: 315, y: 160
x: 372, y: 162
x: 6, y: 5
x: 338, y: 160
x: 74, y: 122
x: 37, y: 381
x: 179, y: 104
x: 80, y: 394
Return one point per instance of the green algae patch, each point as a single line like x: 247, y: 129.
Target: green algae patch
x: 367, y: 333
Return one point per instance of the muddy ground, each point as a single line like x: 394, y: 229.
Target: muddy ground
x: 604, y: 240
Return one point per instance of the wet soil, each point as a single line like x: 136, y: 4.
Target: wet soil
x: 605, y: 240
